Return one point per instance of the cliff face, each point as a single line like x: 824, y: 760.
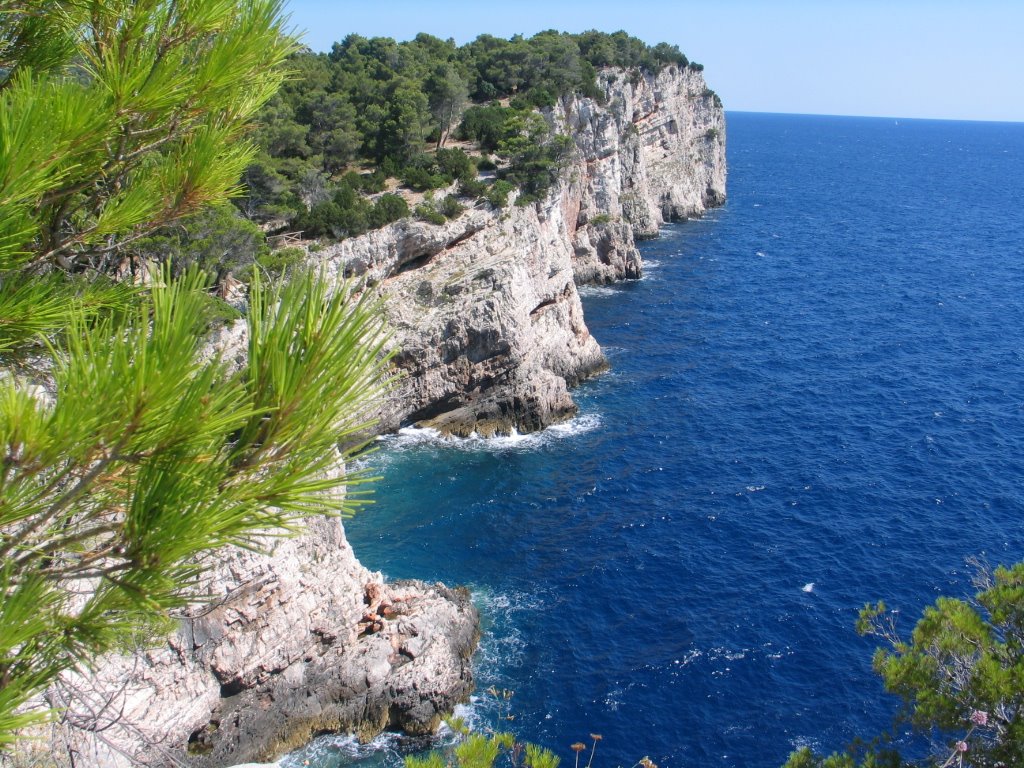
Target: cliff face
x: 300, y: 641
x: 488, y: 325
x: 489, y: 337
x: 654, y: 153
x: 489, y: 329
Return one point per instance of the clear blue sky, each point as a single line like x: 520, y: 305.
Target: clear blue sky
x: 957, y: 59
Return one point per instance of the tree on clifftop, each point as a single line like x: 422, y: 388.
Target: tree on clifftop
x: 448, y: 92
x: 137, y: 457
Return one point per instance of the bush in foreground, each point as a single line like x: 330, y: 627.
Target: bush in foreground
x: 960, y: 677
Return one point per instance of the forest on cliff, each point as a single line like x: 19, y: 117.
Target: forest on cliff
x: 377, y: 130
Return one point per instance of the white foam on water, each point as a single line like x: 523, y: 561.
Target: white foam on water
x: 332, y: 749
x: 414, y: 437
x: 408, y: 436
x: 692, y: 655
x: 387, y: 749
x: 588, y: 291
x: 502, y: 647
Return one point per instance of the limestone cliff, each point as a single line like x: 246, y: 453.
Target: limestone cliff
x: 489, y: 337
x: 299, y: 641
x: 654, y: 153
x: 489, y: 329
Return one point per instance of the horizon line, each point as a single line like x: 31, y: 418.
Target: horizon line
x: 874, y: 117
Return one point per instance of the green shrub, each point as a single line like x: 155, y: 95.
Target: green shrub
x: 472, y: 188
x: 429, y: 214
x: 389, y: 208
x: 216, y: 240
x: 277, y: 263
x: 499, y: 192
x: 347, y: 214
x: 274, y: 264
x: 541, y: 97
x: 318, y: 221
x: 451, y: 207
x: 216, y: 312
x: 352, y: 180
x: 455, y: 164
x: 390, y: 168
x: 374, y: 182
x: 710, y: 94
x: 485, y: 125
x: 422, y: 180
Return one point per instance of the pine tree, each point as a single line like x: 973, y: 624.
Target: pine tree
x: 138, y: 457
x: 960, y: 678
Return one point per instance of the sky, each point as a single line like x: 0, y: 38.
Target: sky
x: 947, y: 59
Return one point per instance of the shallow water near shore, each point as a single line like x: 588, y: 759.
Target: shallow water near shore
x: 815, y: 401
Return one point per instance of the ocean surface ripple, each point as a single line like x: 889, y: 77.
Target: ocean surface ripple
x: 816, y: 401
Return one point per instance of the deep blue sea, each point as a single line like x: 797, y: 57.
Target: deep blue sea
x: 816, y: 400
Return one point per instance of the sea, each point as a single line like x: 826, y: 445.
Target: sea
x: 816, y: 401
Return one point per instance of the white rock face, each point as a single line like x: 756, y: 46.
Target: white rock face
x: 489, y: 329
x: 297, y: 641
x: 489, y: 335
x: 655, y: 153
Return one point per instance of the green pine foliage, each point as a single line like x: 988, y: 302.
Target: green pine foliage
x: 485, y: 750
x: 451, y: 207
x: 149, y: 458
x: 498, y: 194
x: 109, y: 123
x: 391, y: 106
x: 959, y: 676
x: 477, y: 750
x: 128, y: 457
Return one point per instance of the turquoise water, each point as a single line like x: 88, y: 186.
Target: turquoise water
x: 815, y: 401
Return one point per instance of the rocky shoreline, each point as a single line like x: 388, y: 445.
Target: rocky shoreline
x: 489, y: 337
